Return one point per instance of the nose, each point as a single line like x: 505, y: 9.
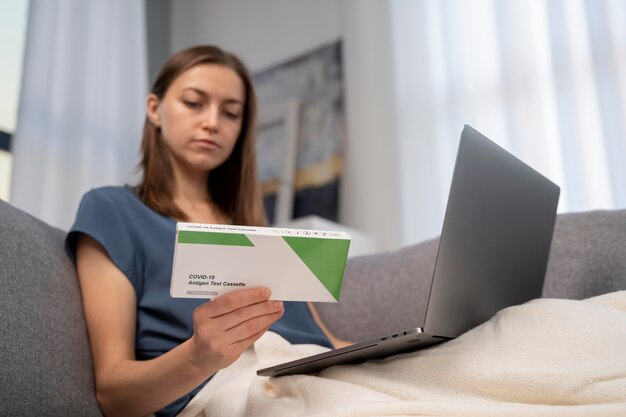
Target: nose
x: 210, y: 120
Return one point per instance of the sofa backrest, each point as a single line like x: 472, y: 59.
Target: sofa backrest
x: 45, y: 362
x: 389, y: 291
x: 588, y: 255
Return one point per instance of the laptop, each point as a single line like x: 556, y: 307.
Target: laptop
x: 493, y: 253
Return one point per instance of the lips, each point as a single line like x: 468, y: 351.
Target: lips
x: 207, y: 143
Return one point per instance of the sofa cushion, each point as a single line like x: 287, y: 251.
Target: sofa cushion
x: 45, y: 361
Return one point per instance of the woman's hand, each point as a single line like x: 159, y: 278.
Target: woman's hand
x: 226, y: 326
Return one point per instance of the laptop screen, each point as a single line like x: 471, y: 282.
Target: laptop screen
x: 496, y: 237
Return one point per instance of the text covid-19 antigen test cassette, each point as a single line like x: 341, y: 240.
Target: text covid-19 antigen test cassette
x: 295, y: 264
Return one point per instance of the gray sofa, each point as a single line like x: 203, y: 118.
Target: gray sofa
x: 45, y: 365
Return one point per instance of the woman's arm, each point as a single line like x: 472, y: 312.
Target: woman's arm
x: 223, y: 329
x: 337, y: 343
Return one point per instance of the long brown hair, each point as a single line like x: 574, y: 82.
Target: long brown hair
x: 233, y: 186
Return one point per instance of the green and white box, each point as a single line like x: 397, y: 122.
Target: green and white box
x: 297, y: 265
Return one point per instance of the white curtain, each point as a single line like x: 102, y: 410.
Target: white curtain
x: 546, y: 79
x: 82, y: 103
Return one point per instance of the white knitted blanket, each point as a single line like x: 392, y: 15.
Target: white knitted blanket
x: 548, y: 357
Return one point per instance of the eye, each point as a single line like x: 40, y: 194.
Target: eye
x: 232, y: 115
x: 192, y: 104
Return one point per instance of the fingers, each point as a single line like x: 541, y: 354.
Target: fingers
x: 252, y: 327
x: 237, y: 315
x: 228, y: 325
x: 235, y: 300
x: 246, y: 314
x: 245, y: 343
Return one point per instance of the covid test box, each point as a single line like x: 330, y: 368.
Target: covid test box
x: 295, y: 264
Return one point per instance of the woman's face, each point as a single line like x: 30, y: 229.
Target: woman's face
x: 200, y: 116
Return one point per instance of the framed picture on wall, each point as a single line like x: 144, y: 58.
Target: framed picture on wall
x: 277, y: 141
x: 302, y: 99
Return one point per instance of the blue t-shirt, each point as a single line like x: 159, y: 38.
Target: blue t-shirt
x: 140, y: 242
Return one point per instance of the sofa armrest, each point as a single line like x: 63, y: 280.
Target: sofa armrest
x: 45, y: 362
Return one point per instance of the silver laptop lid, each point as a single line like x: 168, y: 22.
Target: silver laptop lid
x: 495, y: 240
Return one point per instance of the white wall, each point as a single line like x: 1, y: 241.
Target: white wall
x: 262, y: 33
x: 268, y: 32
x: 370, y: 196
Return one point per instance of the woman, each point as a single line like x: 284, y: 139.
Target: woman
x: 151, y: 352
